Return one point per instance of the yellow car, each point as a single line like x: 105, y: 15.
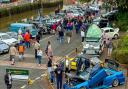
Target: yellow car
x: 72, y: 62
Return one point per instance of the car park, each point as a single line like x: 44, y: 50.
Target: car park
x: 7, y: 39
x: 4, y: 48
x: 111, y: 32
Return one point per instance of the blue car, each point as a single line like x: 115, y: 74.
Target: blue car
x: 15, y: 27
x: 100, y: 78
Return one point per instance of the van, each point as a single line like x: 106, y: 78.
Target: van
x: 15, y: 27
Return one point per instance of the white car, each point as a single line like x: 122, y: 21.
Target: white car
x: 111, y: 32
x: 94, y: 7
x: 7, y: 39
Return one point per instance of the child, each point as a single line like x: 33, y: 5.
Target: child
x: 39, y: 56
x: 21, y: 49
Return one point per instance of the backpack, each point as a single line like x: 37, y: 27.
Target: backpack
x: 21, y: 48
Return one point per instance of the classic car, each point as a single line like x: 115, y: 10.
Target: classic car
x: 3, y: 47
x: 7, y: 39
x: 96, y: 78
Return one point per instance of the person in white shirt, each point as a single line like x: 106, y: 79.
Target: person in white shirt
x: 82, y: 34
x: 39, y: 56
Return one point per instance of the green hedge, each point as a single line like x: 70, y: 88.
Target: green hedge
x: 121, y: 51
x: 122, y: 21
x: 26, y: 7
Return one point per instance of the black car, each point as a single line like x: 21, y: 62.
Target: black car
x: 111, y: 16
x: 101, y: 22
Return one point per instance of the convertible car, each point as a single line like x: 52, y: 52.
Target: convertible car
x: 97, y: 78
x: 73, y: 62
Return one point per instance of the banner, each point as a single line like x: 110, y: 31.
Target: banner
x: 19, y: 73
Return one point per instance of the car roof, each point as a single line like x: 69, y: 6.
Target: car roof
x: 106, y: 28
x: 3, y: 33
x: 21, y: 25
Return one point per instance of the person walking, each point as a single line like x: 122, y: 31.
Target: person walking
x: 20, y: 37
x: 39, y: 55
x: 27, y: 39
x: 69, y: 31
x: 48, y: 50
x: 49, y: 66
x: 110, y: 47
x: 82, y: 34
x: 12, y: 53
x: 59, y: 76
x: 8, y: 80
x: 21, y: 49
x: 36, y: 47
x: 61, y: 36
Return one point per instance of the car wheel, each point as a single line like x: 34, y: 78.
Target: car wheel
x: 115, y: 36
x: 115, y: 83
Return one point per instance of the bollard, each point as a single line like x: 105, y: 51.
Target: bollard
x: 76, y: 51
x: 30, y: 82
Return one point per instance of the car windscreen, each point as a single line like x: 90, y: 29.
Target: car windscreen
x: 92, y: 39
x: 4, y: 37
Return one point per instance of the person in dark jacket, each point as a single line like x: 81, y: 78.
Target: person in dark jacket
x: 8, y: 80
x: 59, y: 76
x: 61, y: 36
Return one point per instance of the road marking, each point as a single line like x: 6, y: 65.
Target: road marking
x: 23, y: 86
x: 37, y: 78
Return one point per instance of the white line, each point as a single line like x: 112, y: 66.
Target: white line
x: 23, y: 86
x: 37, y: 78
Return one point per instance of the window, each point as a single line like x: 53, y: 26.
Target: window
x: 111, y: 30
x: 106, y: 31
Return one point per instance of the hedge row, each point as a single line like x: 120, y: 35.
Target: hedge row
x: 26, y: 7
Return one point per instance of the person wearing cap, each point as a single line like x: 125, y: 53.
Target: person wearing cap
x: 8, y: 80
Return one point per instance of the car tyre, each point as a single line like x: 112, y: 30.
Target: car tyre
x: 115, y: 83
x: 115, y: 36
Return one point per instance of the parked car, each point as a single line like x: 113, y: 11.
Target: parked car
x: 94, y: 7
x: 94, y: 42
x: 96, y: 78
x: 111, y: 16
x: 111, y: 32
x: 7, y: 39
x: 4, y: 48
x: 15, y: 27
x: 13, y: 34
x: 73, y: 61
x: 101, y: 22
